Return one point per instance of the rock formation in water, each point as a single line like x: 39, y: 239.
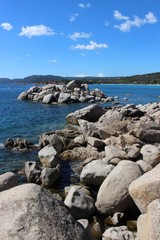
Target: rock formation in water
x: 73, y: 92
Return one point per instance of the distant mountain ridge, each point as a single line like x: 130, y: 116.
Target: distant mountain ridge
x: 150, y: 78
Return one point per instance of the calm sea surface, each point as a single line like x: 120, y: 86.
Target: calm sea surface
x: 24, y: 119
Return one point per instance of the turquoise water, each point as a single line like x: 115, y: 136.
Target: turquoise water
x: 24, y: 119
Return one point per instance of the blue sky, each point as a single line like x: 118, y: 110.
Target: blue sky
x: 79, y: 38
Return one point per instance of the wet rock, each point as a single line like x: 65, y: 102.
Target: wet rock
x: 9, y: 143
x: 19, y: 144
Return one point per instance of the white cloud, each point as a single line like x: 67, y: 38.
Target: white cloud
x: 52, y: 61
x: 36, y: 30
x: 150, y: 18
x: 82, y: 5
x: 101, y: 75
x: 119, y: 16
x: 136, y: 22
x: 77, y: 35
x: 124, y: 27
x: 73, y: 17
x: 91, y: 46
x: 6, y: 26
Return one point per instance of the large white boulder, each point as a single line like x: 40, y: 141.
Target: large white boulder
x: 23, y: 96
x: 73, y: 84
x: 111, y: 116
x: 48, y: 156
x: 90, y: 113
x: 64, y: 97
x: 114, y: 152
x: 146, y: 188
x: 113, y: 195
x: 95, y: 172
x: 31, y: 212
x: 151, y: 154
x: 48, y: 98
x: 148, y: 224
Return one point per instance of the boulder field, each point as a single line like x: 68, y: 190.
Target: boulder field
x: 117, y: 196
x: 73, y: 92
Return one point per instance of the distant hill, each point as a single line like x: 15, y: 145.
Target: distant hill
x: 150, y: 78
x: 5, y: 80
x: 43, y: 78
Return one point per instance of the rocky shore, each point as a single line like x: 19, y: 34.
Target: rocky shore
x: 72, y: 92
x: 117, y: 150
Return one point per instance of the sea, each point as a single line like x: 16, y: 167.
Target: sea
x: 28, y: 120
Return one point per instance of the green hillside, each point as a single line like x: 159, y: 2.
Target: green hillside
x: 151, y: 78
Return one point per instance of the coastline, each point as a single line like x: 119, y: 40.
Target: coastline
x: 114, y: 149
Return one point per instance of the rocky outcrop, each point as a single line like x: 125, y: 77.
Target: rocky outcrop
x: 72, y: 92
x: 30, y: 212
x: 116, y: 154
x: 19, y: 144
